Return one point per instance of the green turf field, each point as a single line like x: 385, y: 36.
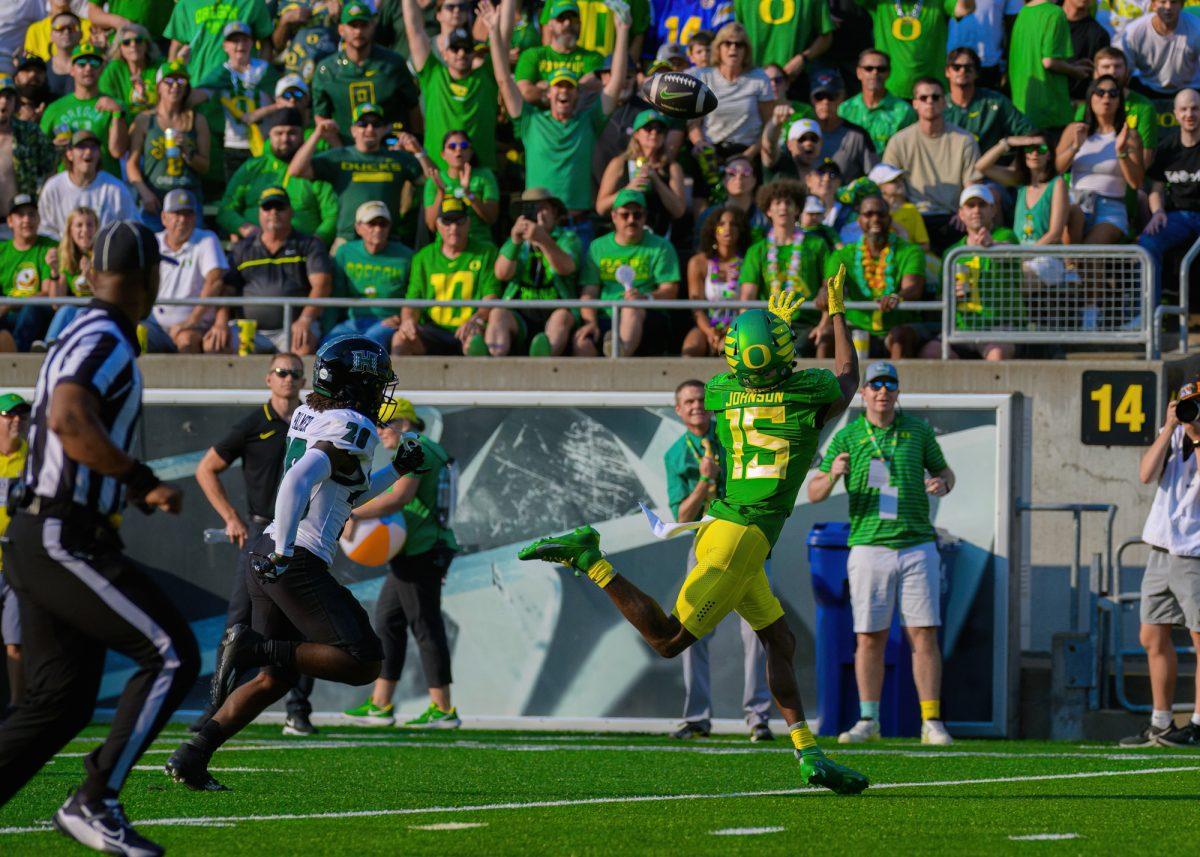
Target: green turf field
x: 364, y: 791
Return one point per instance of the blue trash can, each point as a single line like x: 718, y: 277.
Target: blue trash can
x: 837, y: 690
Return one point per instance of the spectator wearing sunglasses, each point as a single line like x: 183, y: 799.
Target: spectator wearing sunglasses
x: 1040, y: 215
x: 985, y: 113
x: 745, y: 98
x: 845, y: 143
x: 463, y: 179
x: 740, y: 182
x: 630, y: 263
x: 361, y: 71
x: 65, y: 35
x: 983, y: 31
x: 363, y: 171
x: 914, y: 38
x: 193, y: 266
x: 1163, y: 49
x: 535, y: 69
x: 63, y: 21
x: 802, y: 149
x: 1141, y: 114
x: 892, y: 464
x: 875, y: 109
x: 133, y: 62
x: 85, y: 109
x: 938, y: 159
x: 793, y: 40
x: 1041, y: 64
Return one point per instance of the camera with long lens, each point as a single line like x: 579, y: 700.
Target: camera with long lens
x: 1188, y: 410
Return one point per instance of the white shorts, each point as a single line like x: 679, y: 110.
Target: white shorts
x: 877, y: 573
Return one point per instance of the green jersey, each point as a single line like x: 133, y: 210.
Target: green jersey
x: 471, y: 275
x: 421, y: 514
x: 338, y: 84
x: 597, y: 32
x: 314, y: 206
x: 558, y: 155
x: 881, y: 121
x: 770, y: 438
x: 682, y: 462
x: 902, y: 260
x: 358, y: 177
x: 909, y: 449
x: 200, y: 23
x: 1040, y: 32
x: 780, y: 29
x: 989, y: 117
x: 990, y: 288
x: 534, y: 281
x: 151, y: 14
x: 483, y: 184
x: 358, y: 273
x: 1140, y: 115
x: 64, y: 116
x: 914, y: 39
x: 652, y: 262
x: 541, y: 62
x: 766, y: 277
x: 467, y: 105
x: 117, y: 83
x: 25, y: 273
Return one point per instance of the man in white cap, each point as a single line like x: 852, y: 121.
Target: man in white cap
x: 906, y: 220
x: 193, y: 265
x: 987, y: 291
x: 84, y: 185
x: 803, y: 145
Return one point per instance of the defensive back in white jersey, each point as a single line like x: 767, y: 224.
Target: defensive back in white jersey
x: 330, y: 501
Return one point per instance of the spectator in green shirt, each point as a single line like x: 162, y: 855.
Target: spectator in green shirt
x: 893, y: 465
x: 988, y: 115
x: 85, y: 109
x: 875, y: 109
x: 363, y: 73
x: 630, y: 263
x: 791, y: 34
x: 459, y: 93
x: 314, y: 204
x: 451, y: 268
x: 374, y: 266
x: 560, y: 140
x: 539, y: 261
x: 462, y: 179
x: 914, y: 38
x: 1140, y: 113
x: 28, y: 268
x: 196, y: 26
x: 1040, y: 61
x: 133, y: 61
x: 561, y: 51
x: 361, y: 172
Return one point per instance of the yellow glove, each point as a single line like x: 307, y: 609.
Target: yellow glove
x: 833, y: 291
x: 785, y: 305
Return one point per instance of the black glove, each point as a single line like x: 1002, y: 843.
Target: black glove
x: 268, y: 568
x: 409, y: 456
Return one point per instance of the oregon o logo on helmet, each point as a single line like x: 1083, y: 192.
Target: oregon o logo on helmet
x: 748, y: 352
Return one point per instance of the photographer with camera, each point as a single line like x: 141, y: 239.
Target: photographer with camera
x: 1171, y: 584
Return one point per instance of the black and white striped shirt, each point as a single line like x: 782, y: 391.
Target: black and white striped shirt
x: 98, y: 350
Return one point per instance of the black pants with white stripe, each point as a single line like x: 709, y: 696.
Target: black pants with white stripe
x: 80, y: 597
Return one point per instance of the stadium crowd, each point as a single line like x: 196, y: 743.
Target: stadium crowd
x: 460, y: 150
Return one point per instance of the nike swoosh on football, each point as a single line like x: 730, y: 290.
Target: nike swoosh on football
x: 672, y: 96
x: 267, y: 434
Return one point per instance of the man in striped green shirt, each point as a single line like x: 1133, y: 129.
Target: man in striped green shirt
x: 892, y: 463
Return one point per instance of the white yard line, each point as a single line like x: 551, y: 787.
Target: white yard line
x: 746, y: 831
x: 598, y: 801
x: 448, y: 825
x: 1045, y: 837
x: 238, y: 770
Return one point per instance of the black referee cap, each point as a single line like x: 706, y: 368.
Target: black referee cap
x: 124, y: 245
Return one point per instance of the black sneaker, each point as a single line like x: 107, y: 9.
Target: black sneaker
x: 189, y: 766
x: 761, y: 732
x: 230, y: 659
x: 298, y: 724
x: 102, y: 827
x: 1187, y: 737
x: 690, y: 730
x: 1148, y: 737
x: 202, y: 718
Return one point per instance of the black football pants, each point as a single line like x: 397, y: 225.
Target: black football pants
x: 411, y: 597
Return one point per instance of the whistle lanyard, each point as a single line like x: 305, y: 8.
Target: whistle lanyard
x: 875, y: 443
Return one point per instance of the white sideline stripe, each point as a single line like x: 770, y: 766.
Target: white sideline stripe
x: 598, y: 801
x: 449, y: 825
x: 236, y: 770
x: 746, y: 831
x: 1045, y: 837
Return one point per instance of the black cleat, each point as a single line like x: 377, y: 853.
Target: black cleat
x: 103, y: 827
x: 1187, y: 737
x: 189, y: 766
x: 298, y: 724
x: 1148, y: 737
x: 230, y: 659
x: 690, y: 730
x: 761, y: 732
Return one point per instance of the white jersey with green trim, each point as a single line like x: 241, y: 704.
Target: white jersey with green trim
x: 330, y: 502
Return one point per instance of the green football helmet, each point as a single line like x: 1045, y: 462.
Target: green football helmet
x: 760, y: 348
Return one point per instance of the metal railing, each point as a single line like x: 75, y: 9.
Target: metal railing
x: 1184, y: 307
x: 289, y: 306
x: 1077, y: 294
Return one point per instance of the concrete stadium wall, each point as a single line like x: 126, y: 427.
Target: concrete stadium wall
x: 1063, y: 469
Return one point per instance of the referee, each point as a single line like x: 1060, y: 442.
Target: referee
x: 259, y: 440
x: 79, y: 595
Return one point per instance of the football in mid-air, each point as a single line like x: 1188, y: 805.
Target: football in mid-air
x: 679, y: 95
